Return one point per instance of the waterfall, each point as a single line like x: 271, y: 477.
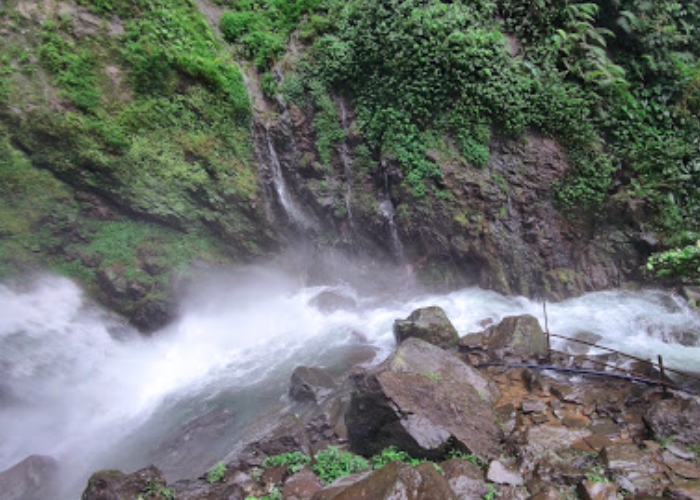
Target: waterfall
x: 79, y: 385
x: 270, y: 162
x: 347, y: 162
x: 386, y: 208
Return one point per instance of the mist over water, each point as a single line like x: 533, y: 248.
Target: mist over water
x: 78, y: 384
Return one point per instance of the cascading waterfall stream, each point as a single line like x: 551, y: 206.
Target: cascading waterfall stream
x: 295, y: 214
x: 79, y: 385
x: 347, y: 162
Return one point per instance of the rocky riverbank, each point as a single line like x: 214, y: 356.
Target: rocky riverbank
x: 432, y: 421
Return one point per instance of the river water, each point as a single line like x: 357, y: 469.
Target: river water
x: 78, y: 384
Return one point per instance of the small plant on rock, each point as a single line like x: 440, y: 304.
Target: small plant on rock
x: 333, y: 463
x: 294, y: 461
x: 216, y: 474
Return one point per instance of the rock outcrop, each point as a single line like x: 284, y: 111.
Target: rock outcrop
x: 429, y: 324
x: 34, y: 478
x: 515, y: 337
x: 425, y: 401
x: 395, y: 481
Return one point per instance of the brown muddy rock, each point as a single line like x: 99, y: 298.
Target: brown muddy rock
x: 635, y: 469
x: 684, y: 491
x: 465, y: 478
x: 395, y: 481
x: 425, y: 401
x: 302, y: 485
x: 687, y: 469
x: 675, y: 419
x: 592, y: 490
x: 310, y: 384
x: 34, y: 478
x: 429, y: 324
x: 115, y: 485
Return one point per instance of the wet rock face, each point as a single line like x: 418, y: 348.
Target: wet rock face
x: 31, y: 479
x: 425, y: 401
x: 675, y: 419
x: 115, y: 485
x: 429, y: 324
x: 395, y: 481
x: 519, y: 337
x: 310, y: 384
x: 187, y: 450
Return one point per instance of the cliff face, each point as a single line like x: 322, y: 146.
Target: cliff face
x: 497, y: 226
x: 134, y: 145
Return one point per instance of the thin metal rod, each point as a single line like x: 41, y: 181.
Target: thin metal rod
x: 585, y: 371
x: 591, y: 344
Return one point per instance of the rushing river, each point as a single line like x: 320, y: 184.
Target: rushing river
x: 78, y: 384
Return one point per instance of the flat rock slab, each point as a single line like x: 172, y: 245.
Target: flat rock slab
x: 395, y: 481
x: 636, y: 470
x: 423, y: 400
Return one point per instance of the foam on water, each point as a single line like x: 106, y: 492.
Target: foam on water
x: 75, y: 381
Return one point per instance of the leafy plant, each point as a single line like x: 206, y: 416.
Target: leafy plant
x: 217, y: 473
x: 295, y: 461
x: 332, y: 463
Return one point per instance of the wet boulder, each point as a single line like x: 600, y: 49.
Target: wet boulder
x: 425, y: 401
x: 115, y: 485
x: 465, y: 478
x: 635, y: 469
x: 520, y: 336
x: 34, y: 478
x: 675, y: 419
x: 187, y: 450
x: 429, y: 324
x: 515, y: 337
x: 310, y: 384
x: 395, y: 481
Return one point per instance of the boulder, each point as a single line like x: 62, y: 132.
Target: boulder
x: 302, y: 485
x: 518, y: 336
x: 425, y: 401
x: 34, y: 478
x: 394, y: 481
x: 465, y: 478
x: 636, y: 470
x: 429, y: 324
x: 676, y: 419
x: 115, y: 485
x: 310, y: 384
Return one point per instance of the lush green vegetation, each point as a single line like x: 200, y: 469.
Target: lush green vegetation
x: 150, y: 114
x: 617, y: 82
x: 150, y: 111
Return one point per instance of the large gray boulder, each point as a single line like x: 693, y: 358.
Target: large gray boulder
x: 519, y: 337
x: 425, y: 401
x: 394, y: 481
x: 310, y: 384
x: 430, y: 324
x: 34, y: 478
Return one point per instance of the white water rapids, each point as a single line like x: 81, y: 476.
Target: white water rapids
x: 79, y: 385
